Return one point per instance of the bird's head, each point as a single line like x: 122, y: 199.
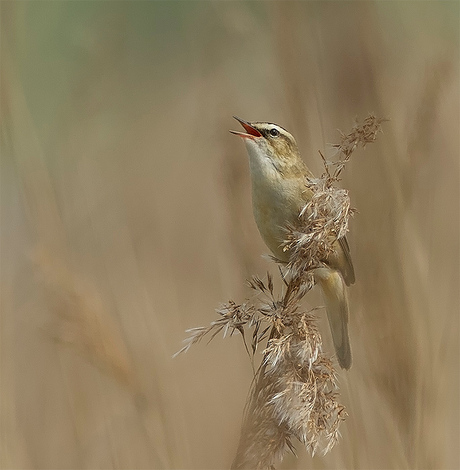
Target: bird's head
x: 267, y: 140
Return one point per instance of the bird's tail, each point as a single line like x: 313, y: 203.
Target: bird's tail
x: 335, y: 298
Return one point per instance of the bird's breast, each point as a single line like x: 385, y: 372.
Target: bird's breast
x: 277, y: 197
x: 277, y: 202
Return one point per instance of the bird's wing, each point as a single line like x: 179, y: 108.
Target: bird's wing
x: 345, y: 262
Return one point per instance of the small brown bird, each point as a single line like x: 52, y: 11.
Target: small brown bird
x: 279, y: 194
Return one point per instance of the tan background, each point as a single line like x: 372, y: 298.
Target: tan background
x: 126, y: 218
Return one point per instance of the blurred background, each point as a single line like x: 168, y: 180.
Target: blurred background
x: 126, y: 219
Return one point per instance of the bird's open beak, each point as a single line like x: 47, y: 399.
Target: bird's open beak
x: 250, y: 131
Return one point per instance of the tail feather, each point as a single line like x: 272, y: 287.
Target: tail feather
x: 335, y: 298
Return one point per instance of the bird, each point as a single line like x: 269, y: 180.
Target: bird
x: 279, y: 193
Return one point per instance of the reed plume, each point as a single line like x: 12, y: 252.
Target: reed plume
x: 295, y: 390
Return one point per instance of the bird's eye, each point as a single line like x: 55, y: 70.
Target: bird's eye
x: 274, y: 132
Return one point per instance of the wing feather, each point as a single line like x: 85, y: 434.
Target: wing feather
x: 345, y: 262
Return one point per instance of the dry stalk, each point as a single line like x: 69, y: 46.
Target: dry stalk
x: 295, y: 391
x: 82, y: 322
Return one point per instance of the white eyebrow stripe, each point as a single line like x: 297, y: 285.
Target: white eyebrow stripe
x: 270, y: 125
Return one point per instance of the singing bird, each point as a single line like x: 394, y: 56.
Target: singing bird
x: 279, y: 193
